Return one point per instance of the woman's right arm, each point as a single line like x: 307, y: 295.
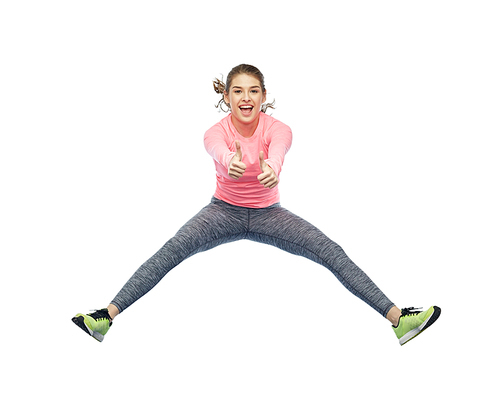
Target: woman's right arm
x: 218, y: 149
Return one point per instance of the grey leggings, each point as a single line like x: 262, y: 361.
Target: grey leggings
x: 220, y: 223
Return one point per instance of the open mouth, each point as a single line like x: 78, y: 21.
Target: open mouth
x: 246, y: 109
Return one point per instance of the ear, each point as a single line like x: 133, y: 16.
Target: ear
x: 226, y: 98
x: 264, y: 94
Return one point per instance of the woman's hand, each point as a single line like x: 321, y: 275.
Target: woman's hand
x: 267, y: 178
x: 236, y: 166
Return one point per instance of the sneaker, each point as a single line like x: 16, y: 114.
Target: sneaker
x: 413, y: 322
x: 96, y: 324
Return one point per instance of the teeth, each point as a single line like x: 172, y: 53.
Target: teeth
x: 246, y: 106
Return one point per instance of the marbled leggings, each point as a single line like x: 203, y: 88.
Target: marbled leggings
x: 220, y: 223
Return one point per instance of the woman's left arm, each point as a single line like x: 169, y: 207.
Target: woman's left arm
x: 280, y: 141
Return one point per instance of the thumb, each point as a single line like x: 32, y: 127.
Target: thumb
x: 238, y: 150
x: 263, y: 164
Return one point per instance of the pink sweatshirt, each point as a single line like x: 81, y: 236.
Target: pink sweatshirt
x: 272, y: 137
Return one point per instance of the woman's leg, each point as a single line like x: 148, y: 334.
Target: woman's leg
x: 215, y: 224
x: 281, y: 228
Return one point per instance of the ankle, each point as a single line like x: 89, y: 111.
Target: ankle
x: 112, y: 311
x: 393, y: 316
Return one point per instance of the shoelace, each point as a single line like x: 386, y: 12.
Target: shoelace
x: 101, y: 315
x: 411, y: 311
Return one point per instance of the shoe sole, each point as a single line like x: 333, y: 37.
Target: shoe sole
x: 426, y: 324
x: 80, y: 322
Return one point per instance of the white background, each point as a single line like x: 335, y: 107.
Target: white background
x: 394, y: 107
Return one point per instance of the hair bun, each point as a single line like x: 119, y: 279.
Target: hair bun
x: 219, y: 86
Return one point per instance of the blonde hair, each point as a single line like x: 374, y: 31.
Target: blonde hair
x: 220, y: 87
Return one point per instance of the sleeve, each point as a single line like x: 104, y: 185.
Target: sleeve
x: 280, y: 141
x: 217, y: 147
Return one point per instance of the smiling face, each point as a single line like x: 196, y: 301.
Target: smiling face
x: 245, y: 98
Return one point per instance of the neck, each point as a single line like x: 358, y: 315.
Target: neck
x: 245, y: 130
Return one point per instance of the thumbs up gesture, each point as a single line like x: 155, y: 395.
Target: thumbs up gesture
x: 267, y: 178
x: 236, y: 166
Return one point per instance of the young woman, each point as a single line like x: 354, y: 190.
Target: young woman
x: 248, y: 147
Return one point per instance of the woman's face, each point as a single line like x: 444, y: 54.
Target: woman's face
x: 245, y: 98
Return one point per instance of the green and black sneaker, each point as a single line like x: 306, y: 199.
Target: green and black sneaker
x: 413, y: 322
x: 96, y: 324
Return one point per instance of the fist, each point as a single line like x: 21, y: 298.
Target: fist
x: 267, y: 178
x: 236, y: 166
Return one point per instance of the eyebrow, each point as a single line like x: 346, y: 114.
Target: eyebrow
x: 254, y: 86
